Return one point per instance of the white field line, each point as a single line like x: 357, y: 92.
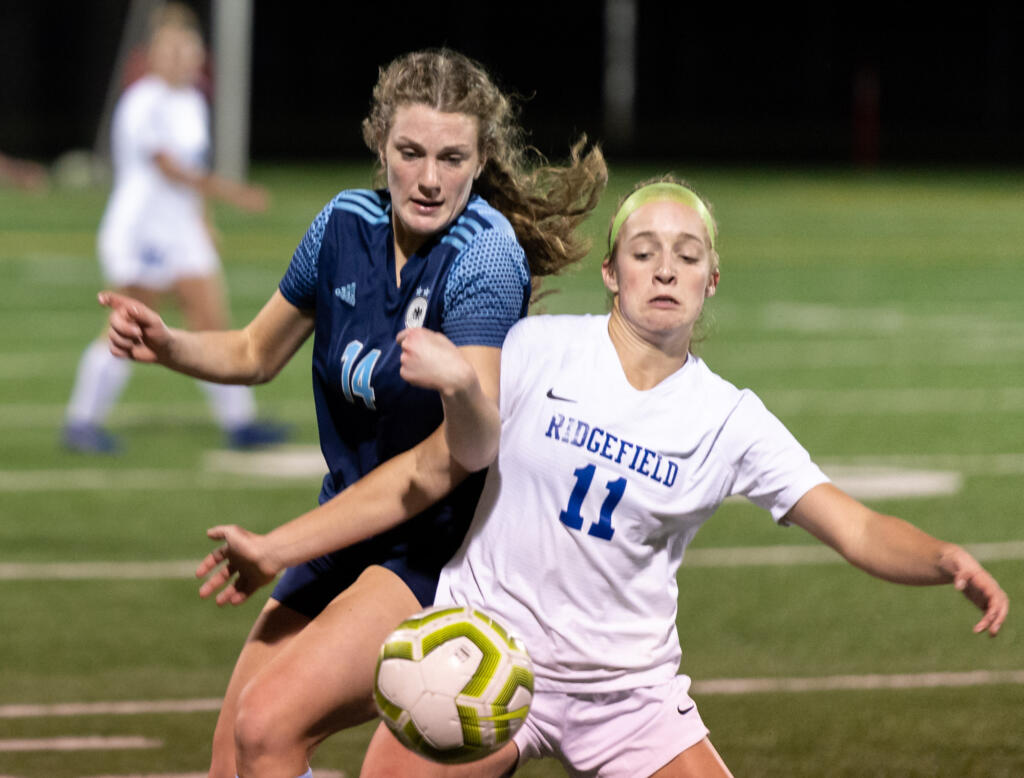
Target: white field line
x: 142, y: 479
x: 708, y: 686
x: 766, y: 556
x: 817, y: 318
x: 779, y: 556
x: 111, y: 480
x: 16, y: 367
x: 117, y: 708
x: 858, y: 682
x: 786, y: 402
x: 871, y: 482
x: 874, y: 477
x: 987, y: 347
x: 903, y: 402
x: 279, y: 462
x: 219, y: 469
x: 784, y: 556
x: 51, y: 415
x: 87, y: 479
x: 78, y: 743
x: 993, y: 348
x: 97, y: 571
x: 968, y: 464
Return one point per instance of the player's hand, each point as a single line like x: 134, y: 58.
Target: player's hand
x: 978, y: 586
x: 246, y: 197
x: 237, y: 568
x: 431, y: 361
x: 136, y: 331
x: 254, y: 199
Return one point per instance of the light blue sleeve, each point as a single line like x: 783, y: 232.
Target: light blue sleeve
x: 488, y: 290
x: 299, y: 283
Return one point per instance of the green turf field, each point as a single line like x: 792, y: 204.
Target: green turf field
x: 879, y: 315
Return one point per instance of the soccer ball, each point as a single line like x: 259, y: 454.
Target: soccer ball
x: 452, y: 684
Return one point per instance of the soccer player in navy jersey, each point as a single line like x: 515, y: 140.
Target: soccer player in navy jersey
x: 449, y: 246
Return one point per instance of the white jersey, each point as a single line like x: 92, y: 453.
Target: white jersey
x: 597, y: 491
x: 151, y: 224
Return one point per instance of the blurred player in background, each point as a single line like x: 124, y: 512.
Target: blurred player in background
x: 616, y: 444
x: 155, y: 238
x: 449, y: 246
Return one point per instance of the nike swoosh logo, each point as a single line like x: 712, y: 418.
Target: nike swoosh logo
x: 684, y: 712
x: 553, y: 396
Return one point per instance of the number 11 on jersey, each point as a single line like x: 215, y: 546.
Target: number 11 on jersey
x: 571, y: 516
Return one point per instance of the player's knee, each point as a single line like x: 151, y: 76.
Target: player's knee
x: 260, y: 728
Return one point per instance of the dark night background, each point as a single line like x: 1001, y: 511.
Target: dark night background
x: 812, y: 83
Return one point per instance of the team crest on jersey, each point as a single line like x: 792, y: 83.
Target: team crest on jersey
x: 416, y: 313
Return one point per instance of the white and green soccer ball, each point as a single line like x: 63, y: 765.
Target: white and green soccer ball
x: 452, y: 684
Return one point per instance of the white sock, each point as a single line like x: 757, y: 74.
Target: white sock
x: 98, y: 383
x: 232, y: 405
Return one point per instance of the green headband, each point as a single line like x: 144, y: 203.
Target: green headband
x: 657, y: 193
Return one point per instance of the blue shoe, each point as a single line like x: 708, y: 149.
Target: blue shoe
x: 257, y: 434
x: 88, y: 438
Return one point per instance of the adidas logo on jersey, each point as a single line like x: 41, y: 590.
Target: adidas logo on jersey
x: 346, y: 293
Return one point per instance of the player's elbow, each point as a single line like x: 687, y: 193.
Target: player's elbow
x: 475, y: 456
x: 262, y: 372
x: 259, y: 362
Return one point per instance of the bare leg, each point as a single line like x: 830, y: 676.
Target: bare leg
x: 145, y: 295
x: 99, y: 381
x: 698, y: 761
x: 275, y: 627
x: 386, y: 757
x: 322, y: 680
x: 203, y: 302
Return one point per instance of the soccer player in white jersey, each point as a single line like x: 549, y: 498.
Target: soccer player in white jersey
x: 616, y: 444
x: 154, y: 238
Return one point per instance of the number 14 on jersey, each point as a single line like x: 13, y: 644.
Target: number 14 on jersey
x: 357, y: 377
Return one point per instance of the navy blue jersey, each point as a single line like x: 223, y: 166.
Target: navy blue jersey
x: 470, y: 282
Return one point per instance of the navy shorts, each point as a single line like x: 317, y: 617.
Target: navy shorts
x: 311, y: 586
x: 414, y: 551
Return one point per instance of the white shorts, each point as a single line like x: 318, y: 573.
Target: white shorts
x: 624, y: 734
x: 157, y: 261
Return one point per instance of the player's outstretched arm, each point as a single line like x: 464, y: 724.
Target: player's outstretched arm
x: 895, y: 550
x: 246, y: 197
x: 467, y: 379
x: 393, y: 492
x: 251, y: 355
